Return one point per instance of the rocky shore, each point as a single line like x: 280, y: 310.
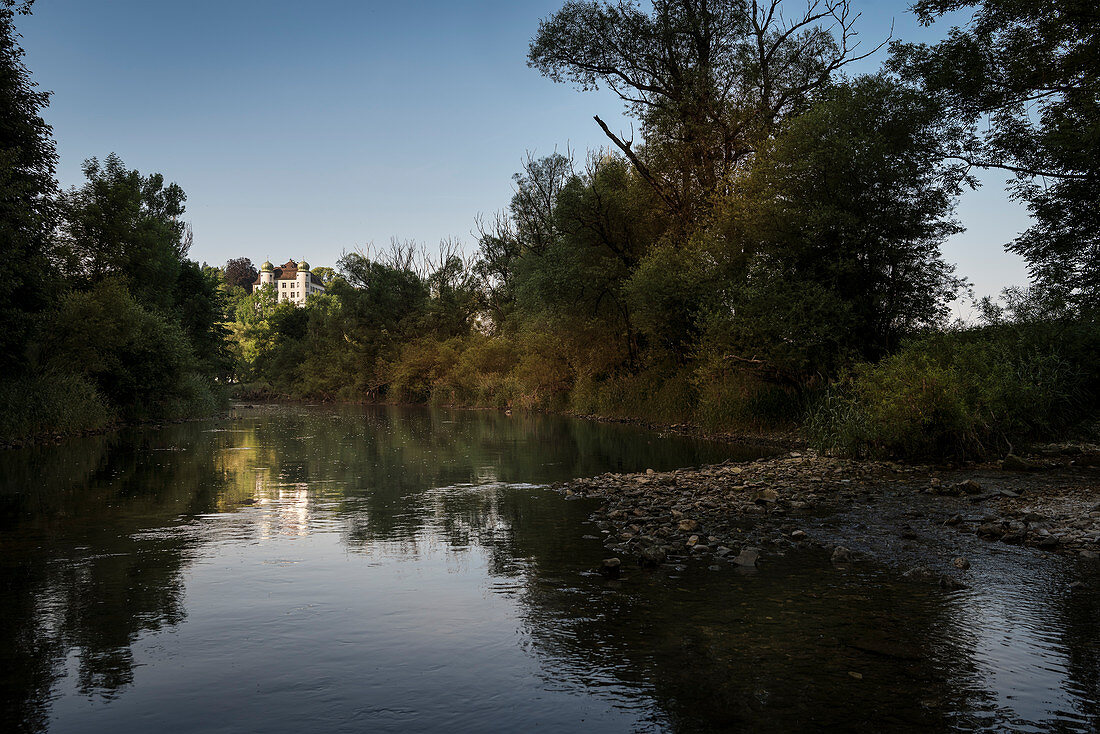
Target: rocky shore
x: 741, y: 513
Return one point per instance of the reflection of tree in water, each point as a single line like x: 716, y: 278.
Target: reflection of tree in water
x: 1077, y: 612
x: 737, y: 651
x: 84, y: 565
x: 380, y: 462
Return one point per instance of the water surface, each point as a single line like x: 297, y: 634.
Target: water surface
x: 384, y: 569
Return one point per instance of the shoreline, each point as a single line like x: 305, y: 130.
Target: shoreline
x: 922, y: 519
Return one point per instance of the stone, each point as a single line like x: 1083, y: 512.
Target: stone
x: 798, y: 535
x: 767, y: 495
x: 748, y: 557
x: 1012, y: 462
x: 961, y: 563
x: 693, y: 540
x: 652, y: 556
x: 841, y: 555
x: 649, y: 472
x: 688, y: 526
x: 969, y: 487
x: 951, y: 584
x: 611, y: 568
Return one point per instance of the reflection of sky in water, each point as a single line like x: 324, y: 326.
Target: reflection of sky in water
x: 399, y: 572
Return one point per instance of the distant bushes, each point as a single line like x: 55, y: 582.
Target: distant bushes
x: 101, y: 357
x: 50, y: 403
x: 964, y: 394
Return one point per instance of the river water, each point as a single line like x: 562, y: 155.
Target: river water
x: 353, y: 569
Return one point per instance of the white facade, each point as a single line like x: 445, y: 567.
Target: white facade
x: 292, y: 281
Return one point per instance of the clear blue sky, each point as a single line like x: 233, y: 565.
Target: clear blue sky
x: 302, y: 129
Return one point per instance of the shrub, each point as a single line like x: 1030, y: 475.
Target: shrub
x: 50, y: 403
x: 960, y: 394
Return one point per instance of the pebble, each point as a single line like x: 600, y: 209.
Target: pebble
x: 841, y: 555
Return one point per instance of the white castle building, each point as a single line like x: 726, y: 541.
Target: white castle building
x: 292, y: 281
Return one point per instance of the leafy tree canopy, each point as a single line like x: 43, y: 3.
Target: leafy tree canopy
x: 1025, y: 76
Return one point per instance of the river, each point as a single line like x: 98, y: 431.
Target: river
x: 344, y: 569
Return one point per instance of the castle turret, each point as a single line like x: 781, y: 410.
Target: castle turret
x: 267, y: 273
x: 303, y: 281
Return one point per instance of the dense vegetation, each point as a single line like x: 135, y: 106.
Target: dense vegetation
x: 105, y: 319
x: 766, y: 254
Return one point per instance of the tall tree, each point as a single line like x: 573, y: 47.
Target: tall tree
x: 27, y: 191
x: 833, y: 246
x: 708, y: 79
x: 1025, y: 75
x: 125, y: 225
x: 241, y: 272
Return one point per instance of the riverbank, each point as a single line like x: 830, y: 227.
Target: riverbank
x: 922, y: 518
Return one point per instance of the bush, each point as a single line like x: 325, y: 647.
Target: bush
x: 50, y: 403
x: 964, y: 394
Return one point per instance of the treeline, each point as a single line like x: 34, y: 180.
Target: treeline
x: 104, y: 319
x: 769, y: 255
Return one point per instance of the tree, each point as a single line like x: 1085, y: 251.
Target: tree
x: 27, y: 193
x: 1025, y: 76
x: 831, y: 251
x: 241, y: 272
x: 708, y: 79
x: 121, y: 224
x: 326, y: 274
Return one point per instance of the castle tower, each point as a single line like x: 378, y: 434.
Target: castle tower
x: 267, y: 273
x: 303, y: 281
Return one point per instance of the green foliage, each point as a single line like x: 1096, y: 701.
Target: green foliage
x: 121, y: 224
x: 52, y: 402
x: 831, y: 244
x: 139, y: 360
x: 1024, y: 77
x: 27, y: 211
x: 966, y: 394
x: 707, y: 81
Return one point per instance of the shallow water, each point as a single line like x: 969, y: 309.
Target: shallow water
x: 384, y: 569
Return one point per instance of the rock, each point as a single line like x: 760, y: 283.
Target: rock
x: 1077, y: 585
x: 946, y: 582
x: 688, y: 526
x: 748, y: 557
x: 1012, y: 462
x: 969, y: 487
x: 652, y: 556
x: 767, y: 495
x: 649, y: 472
x: 700, y: 548
x: 961, y: 563
x: 989, y: 530
x: 693, y: 540
x: 798, y: 535
x: 611, y: 568
x: 841, y: 555
x: 954, y: 520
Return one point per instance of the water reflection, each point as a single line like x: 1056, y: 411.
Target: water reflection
x: 394, y: 569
